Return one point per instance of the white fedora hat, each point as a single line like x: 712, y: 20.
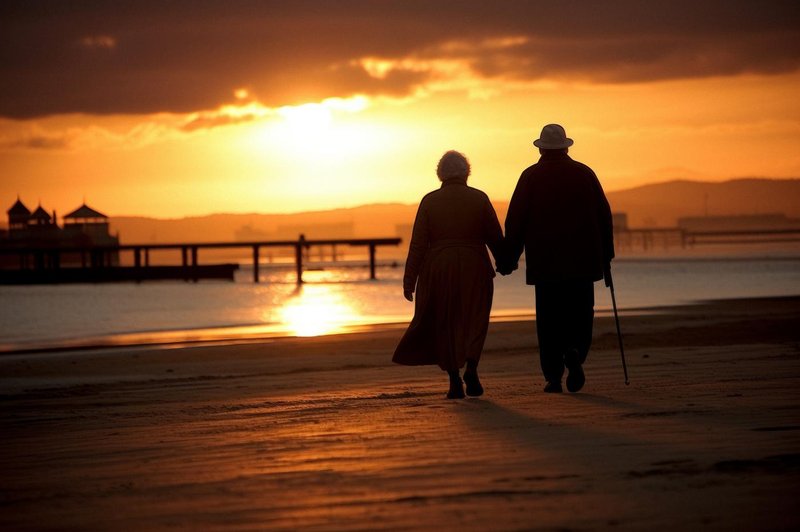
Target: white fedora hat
x: 553, y: 137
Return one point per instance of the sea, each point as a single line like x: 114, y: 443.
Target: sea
x: 340, y: 297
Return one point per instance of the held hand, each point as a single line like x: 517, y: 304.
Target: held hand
x: 408, y: 294
x: 607, y: 274
x: 506, y: 269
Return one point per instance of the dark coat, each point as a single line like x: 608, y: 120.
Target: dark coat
x: 453, y: 275
x: 561, y: 216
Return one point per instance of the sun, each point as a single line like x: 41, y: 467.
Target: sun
x: 307, y: 120
x: 331, y: 130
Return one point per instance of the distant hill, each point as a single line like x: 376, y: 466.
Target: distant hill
x: 364, y: 221
x: 659, y: 204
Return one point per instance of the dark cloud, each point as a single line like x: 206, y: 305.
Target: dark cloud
x: 47, y: 142
x: 188, y: 56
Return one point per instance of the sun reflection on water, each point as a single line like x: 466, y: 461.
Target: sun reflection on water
x: 318, y: 309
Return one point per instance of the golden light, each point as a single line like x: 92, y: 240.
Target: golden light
x: 316, y: 119
x: 329, y: 129
x: 307, y: 119
x: 316, y: 310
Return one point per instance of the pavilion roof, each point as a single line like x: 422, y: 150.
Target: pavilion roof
x: 41, y: 214
x: 18, y: 209
x: 84, y: 212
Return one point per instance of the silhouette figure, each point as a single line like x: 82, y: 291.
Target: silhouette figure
x: 453, y: 275
x: 560, y: 215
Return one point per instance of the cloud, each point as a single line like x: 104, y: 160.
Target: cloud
x: 191, y: 56
x: 212, y: 120
x: 105, y: 42
x: 226, y: 116
x: 38, y: 141
x: 40, y: 135
x: 44, y: 134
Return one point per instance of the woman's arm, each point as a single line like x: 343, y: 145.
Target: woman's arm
x: 416, y: 251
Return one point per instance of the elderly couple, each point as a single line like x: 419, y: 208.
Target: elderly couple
x: 558, y: 213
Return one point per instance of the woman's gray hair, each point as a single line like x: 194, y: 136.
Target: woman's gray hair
x: 453, y: 165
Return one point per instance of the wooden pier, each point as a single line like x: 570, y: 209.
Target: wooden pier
x: 666, y: 237
x: 41, y: 264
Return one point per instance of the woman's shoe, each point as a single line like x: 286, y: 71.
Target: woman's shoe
x: 456, y: 391
x: 474, y: 388
x: 456, y: 386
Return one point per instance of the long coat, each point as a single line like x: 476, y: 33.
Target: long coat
x: 450, y: 267
x: 560, y: 214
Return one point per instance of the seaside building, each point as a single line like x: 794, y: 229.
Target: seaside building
x: 18, y: 217
x: 83, y: 228
x: 87, y: 223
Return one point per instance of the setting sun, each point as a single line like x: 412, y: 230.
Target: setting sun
x: 308, y: 121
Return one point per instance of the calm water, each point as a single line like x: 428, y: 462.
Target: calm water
x: 335, y: 299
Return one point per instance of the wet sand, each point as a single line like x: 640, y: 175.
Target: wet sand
x: 326, y: 434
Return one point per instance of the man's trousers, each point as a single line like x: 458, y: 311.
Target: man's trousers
x: 564, y: 314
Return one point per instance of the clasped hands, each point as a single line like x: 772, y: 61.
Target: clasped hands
x: 505, y: 268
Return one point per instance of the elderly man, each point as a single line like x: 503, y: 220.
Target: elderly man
x: 560, y: 215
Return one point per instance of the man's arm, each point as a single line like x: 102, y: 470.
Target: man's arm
x: 606, y: 223
x: 516, y: 223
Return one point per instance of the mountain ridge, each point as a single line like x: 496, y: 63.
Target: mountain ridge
x: 652, y: 205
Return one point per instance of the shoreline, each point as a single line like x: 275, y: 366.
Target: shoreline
x: 325, y: 433
x: 254, y: 334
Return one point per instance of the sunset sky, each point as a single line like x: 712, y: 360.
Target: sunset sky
x: 180, y: 108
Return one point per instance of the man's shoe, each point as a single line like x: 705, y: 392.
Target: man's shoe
x: 576, y: 377
x: 552, y: 387
x: 474, y: 388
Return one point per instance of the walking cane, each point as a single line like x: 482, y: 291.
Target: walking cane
x: 610, y: 285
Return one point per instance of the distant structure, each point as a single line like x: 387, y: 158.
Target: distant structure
x: 620, y: 221
x: 83, y: 228
x: 741, y: 222
x: 333, y: 231
x: 316, y: 230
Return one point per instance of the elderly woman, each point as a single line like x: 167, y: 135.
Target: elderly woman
x: 451, y: 270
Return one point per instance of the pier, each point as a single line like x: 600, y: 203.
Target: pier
x: 666, y: 237
x: 97, y: 263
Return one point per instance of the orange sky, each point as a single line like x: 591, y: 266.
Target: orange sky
x: 701, y: 103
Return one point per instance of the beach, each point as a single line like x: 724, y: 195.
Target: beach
x: 325, y: 433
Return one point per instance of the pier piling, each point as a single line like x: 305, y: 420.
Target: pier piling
x: 255, y: 264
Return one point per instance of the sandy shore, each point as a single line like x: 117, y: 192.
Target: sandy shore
x: 326, y: 434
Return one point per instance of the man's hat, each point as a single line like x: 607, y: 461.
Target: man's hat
x: 553, y: 137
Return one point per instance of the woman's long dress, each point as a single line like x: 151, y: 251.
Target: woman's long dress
x: 449, y: 264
